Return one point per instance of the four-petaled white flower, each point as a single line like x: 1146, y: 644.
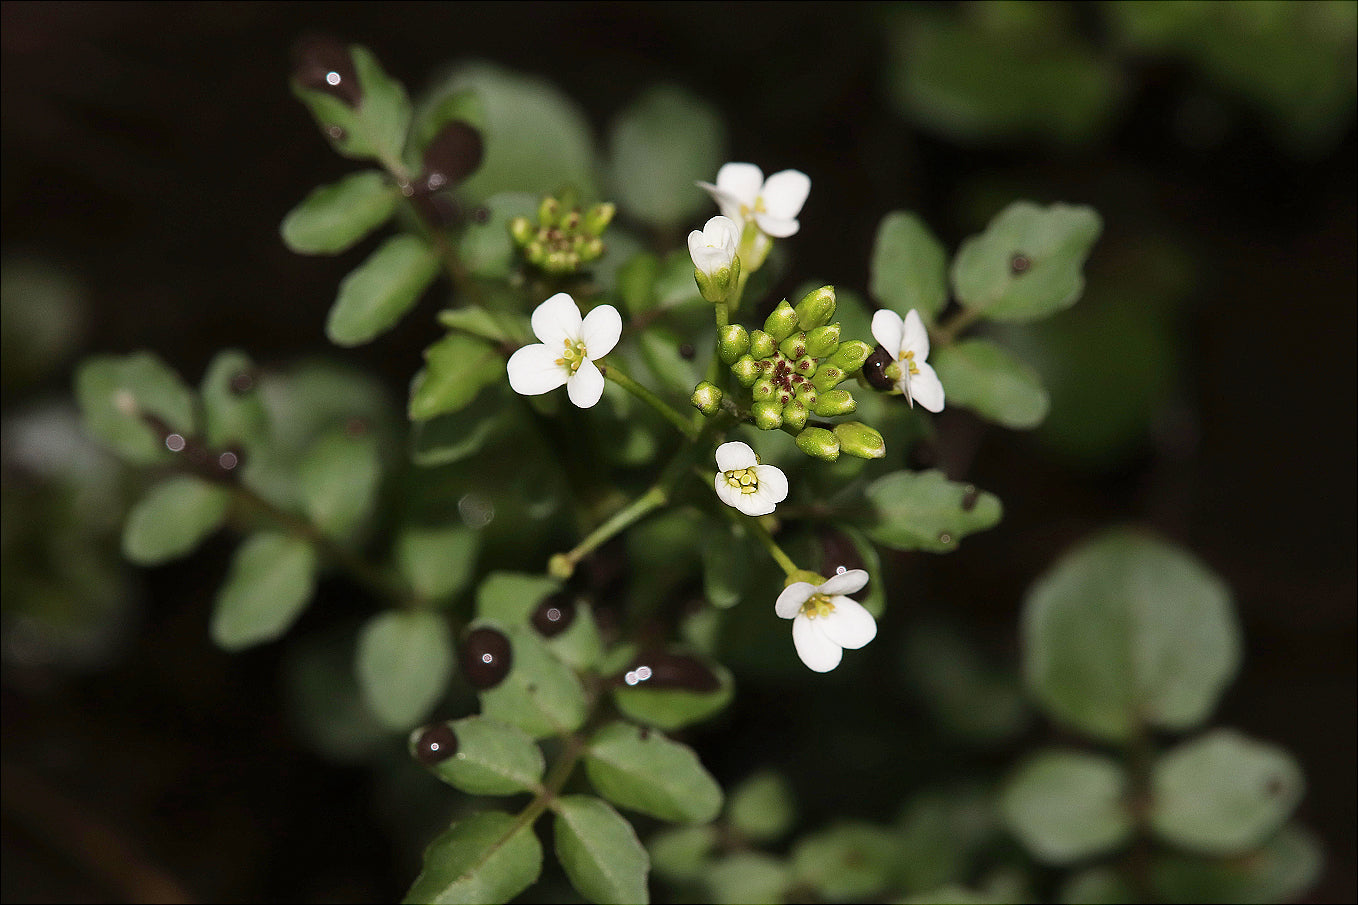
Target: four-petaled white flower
x: 824, y: 621
x: 744, y: 484
x: 567, y: 351
x: 714, y: 246
x: 744, y: 195
x: 908, y: 342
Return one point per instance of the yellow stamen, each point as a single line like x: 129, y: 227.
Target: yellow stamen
x: 817, y: 605
x: 743, y: 479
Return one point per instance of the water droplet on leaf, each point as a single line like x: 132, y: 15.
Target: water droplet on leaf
x: 1019, y: 264
x: 486, y: 658
x: 666, y: 670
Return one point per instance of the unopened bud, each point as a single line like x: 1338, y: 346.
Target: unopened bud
x: 762, y: 345
x: 522, y: 231
x: 746, y: 370
x: 716, y: 286
x: 851, y: 355
x: 706, y: 398
x: 819, y: 443
x: 767, y: 415
x: 816, y: 308
x: 781, y: 322
x: 763, y: 390
x: 599, y: 216
x: 732, y: 342
x: 827, y: 377
x: 549, y: 211
x: 794, y: 346
x: 592, y: 249
x: 857, y: 439
x: 822, y: 341
x: 835, y: 402
x: 795, y: 414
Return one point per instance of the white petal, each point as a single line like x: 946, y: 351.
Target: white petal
x: 778, y: 227
x: 730, y: 205
x: 533, y: 370
x: 706, y: 258
x: 926, y: 388
x: 816, y: 650
x: 726, y: 493
x: 586, y: 386
x: 790, y: 602
x: 915, y: 338
x: 772, y: 482
x: 849, y: 625
x: 755, y: 504
x: 741, y: 181
x: 785, y: 193
x: 733, y: 455
x: 888, y: 329
x: 556, y: 320
x: 600, y: 331
x: 723, y: 233
x: 845, y: 582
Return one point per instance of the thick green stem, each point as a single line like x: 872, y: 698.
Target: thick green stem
x: 684, y: 427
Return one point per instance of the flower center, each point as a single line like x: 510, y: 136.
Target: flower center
x: 908, y: 359
x: 743, y: 479
x: 573, y: 356
x: 817, y: 605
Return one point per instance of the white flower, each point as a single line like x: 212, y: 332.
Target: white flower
x: 773, y: 204
x: 565, y: 355
x: 744, y: 484
x: 714, y: 246
x: 824, y: 621
x: 908, y: 342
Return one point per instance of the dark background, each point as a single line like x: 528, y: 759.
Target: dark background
x: 152, y: 149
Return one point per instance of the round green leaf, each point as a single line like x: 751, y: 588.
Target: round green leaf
x: 979, y: 375
x: 511, y: 597
x: 761, y: 807
x: 541, y: 695
x: 116, y: 393
x: 489, y: 857
x: 674, y: 708
x: 749, y: 877
x: 403, y: 664
x: 925, y: 511
x: 456, y: 368
x: 599, y: 851
x: 647, y: 772
x: 1028, y: 262
x: 492, y: 758
x: 942, y: 829
x: 681, y: 852
x: 909, y: 266
x: 334, y: 217
x: 438, y: 562
x: 376, y: 294
x: 848, y: 862
x: 1281, y: 871
x: 1099, y: 886
x: 232, y: 403
x: 172, y: 519
x: 1223, y: 793
x: 488, y: 250
x: 659, y: 146
x: 271, y: 580
x: 1067, y: 805
x: 1127, y: 629
x: 376, y: 128
x: 339, y: 478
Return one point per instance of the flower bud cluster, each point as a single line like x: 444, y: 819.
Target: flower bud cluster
x: 564, y: 238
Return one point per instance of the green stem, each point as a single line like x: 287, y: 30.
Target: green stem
x: 946, y: 333
x: 761, y: 532
x: 612, y: 373
x: 563, y: 564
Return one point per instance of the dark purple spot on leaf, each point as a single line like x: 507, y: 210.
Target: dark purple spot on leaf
x: 436, y: 743
x: 686, y: 351
x: 1019, y: 264
x: 322, y: 63
x: 675, y: 671
x: 554, y: 615
x: 486, y: 658
x: 874, y: 369
x: 242, y: 383
x: 452, y: 156
x: 969, y: 498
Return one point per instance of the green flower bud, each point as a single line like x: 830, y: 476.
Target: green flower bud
x: 827, y: 377
x: 822, y: 341
x: 819, y: 443
x: 781, y: 322
x: 816, y: 308
x: 548, y: 211
x: 806, y: 394
x: 851, y: 355
x: 732, y: 342
x: 794, y: 346
x: 764, y: 390
x: 762, y: 345
x: 795, y: 414
x: 857, y: 439
x: 598, y: 217
x: 522, y: 231
x: 592, y: 249
x: 805, y: 366
x: 768, y: 415
x: 746, y: 370
x: 706, y: 398
x: 835, y: 402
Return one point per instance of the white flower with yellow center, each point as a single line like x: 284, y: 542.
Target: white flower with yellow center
x: 824, y: 621
x: 569, y: 346
x: 744, y: 484
x: 907, y: 341
x: 772, y: 204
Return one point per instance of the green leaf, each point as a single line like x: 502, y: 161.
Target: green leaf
x: 1127, y: 630
x: 172, y: 519
x: 271, y: 580
x: 942, y: 830
x: 1099, y: 886
x: 644, y: 771
x: 682, y: 852
x: 726, y: 556
x: 436, y: 112
x: 600, y: 852
x: 116, y: 393
x: 1028, y: 262
x: 403, y: 664
x: 324, y: 699
x: 1281, y: 871
x: 925, y: 511
x: 909, y: 266
x: 982, y: 376
x: 488, y: 250
x: 536, y: 138
x: 1067, y: 805
x: 492, y: 758
x: 541, y: 695
x: 511, y: 597
x: 761, y: 807
x: 456, y: 368
x: 636, y: 282
x: 492, y: 326
x: 334, y: 217
x: 848, y: 862
x: 749, y: 877
x: 659, y: 146
x: 1223, y: 793
x: 438, y: 562
x: 579, y: 646
x: 339, y: 479
x: 232, y: 404
x: 377, y: 127
x: 377, y: 293
x: 964, y: 691
x: 674, y: 708
x: 489, y: 857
